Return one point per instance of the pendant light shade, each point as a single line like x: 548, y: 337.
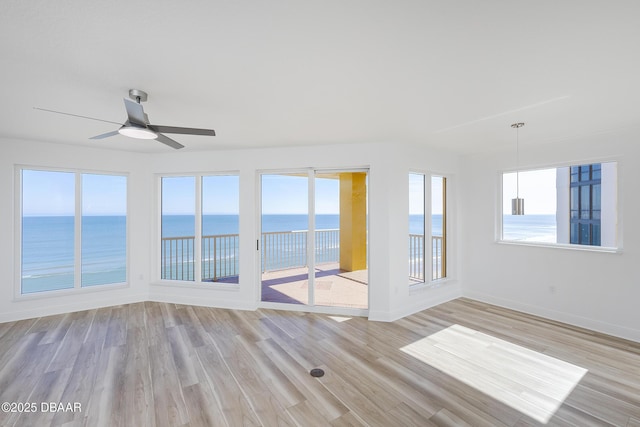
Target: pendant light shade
x: 517, y: 204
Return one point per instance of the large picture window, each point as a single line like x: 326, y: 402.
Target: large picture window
x: 572, y: 205
x: 73, y: 230
x: 200, y: 228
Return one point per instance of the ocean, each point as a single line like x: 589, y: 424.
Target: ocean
x: 529, y: 228
x: 48, y: 251
x: 48, y: 242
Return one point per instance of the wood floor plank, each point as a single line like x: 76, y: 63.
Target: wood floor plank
x: 305, y: 414
x: 357, y: 402
x: 318, y: 396
x: 72, y: 340
x: 233, y: 403
x: 159, y: 364
x: 445, y: 418
x: 138, y: 389
x: 406, y: 415
x: 168, y: 399
x: 201, y: 406
x: 266, y: 402
x: 358, y: 375
x: 634, y: 422
x: 106, y: 402
x: 348, y: 420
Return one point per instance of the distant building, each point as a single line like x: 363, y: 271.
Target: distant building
x: 586, y: 204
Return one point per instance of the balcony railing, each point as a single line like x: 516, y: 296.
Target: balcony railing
x: 280, y: 250
x: 416, y: 257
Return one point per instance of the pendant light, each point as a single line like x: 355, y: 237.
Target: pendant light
x: 517, y: 204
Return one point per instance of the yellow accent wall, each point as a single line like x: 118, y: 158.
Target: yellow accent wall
x: 353, y: 221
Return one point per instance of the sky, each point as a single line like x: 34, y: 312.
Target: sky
x: 51, y: 193
x: 220, y: 195
x: 288, y: 194
x: 416, y: 194
x: 281, y: 194
x: 537, y: 188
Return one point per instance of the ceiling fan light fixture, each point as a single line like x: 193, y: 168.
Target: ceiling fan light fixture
x: 137, y: 132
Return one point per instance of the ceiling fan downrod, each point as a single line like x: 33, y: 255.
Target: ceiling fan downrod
x: 138, y: 95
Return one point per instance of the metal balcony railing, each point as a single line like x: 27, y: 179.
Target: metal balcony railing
x: 417, y: 256
x: 280, y: 250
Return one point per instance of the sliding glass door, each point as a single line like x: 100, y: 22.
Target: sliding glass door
x: 313, y: 246
x: 283, y: 246
x: 341, y: 252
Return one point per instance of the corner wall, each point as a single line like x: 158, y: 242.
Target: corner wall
x: 595, y: 290
x: 388, y: 205
x: 67, y: 157
x: 389, y: 295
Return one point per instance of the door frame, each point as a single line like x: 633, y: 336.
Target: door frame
x: 310, y: 306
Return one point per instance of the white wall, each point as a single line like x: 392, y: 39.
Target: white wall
x: 388, y: 228
x: 590, y: 289
x: 12, y: 306
x: 609, y: 201
x: 596, y: 290
x: 389, y: 296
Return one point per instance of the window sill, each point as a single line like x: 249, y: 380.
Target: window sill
x: 69, y: 291
x: 213, y: 286
x: 418, y: 287
x: 583, y: 248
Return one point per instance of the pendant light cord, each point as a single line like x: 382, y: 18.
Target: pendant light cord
x: 517, y: 126
x: 517, y: 162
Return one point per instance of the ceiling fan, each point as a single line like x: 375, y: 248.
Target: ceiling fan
x: 137, y: 124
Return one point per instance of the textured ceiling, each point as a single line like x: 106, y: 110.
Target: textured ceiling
x: 447, y: 74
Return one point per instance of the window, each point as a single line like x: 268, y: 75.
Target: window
x: 104, y: 229
x: 73, y: 230
x: 439, y: 227
x: 585, y: 187
x: 573, y: 205
x: 418, y: 250
x: 178, y: 227
x: 416, y: 228
x: 200, y: 228
x: 220, y: 228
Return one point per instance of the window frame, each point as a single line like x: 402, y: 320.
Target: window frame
x: 567, y: 246
x: 77, y: 258
x: 429, y: 280
x: 156, y: 262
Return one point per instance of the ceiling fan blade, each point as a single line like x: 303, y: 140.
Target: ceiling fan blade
x: 135, y: 112
x: 184, y: 131
x: 76, y: 115
x: 168, y: 141
x: 105, y: 135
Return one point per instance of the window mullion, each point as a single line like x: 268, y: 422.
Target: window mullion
x: 77, y: 224
x: 197, y: 241
x: 311, y: 237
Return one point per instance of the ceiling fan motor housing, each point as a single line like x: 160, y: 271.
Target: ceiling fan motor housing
x: 138, y: 95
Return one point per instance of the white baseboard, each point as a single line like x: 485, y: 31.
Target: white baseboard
x: 426, y: 298
x: 571, y: 319
x: 86, y: 304
x: 230, y: 304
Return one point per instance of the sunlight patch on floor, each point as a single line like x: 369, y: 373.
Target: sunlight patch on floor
x: 339, y: 319
x: 531, y: 382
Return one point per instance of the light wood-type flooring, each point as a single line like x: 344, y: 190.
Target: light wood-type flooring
x: 461, y: 363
